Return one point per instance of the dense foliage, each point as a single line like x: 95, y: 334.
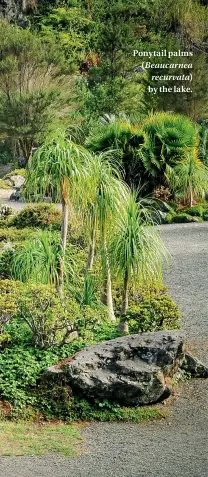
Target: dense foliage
x: 80, y: 125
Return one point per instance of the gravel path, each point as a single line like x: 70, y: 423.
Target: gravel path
x: 5, y: 195
x: 176, y: 446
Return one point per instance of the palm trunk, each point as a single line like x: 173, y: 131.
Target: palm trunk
x: 64, y: 231
x: 125, y: 303
x: 107, y: 298
x: 191, y: 195
x: 91, y: 253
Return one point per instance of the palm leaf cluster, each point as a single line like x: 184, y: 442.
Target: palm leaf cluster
x: 167, y: 139
x: 38, y: 260
x: 137, y: 247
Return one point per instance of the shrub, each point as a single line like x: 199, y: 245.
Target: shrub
x: 6, y: 257
x: 19, y: 371
x: 16, y: 172
x: 5, y: 211
x: 50, y: 319
x: 169, y: 218
x: 3, y: 185
x: 41, y: 215
x: 10, y: 291
x: 156, y: 314
x: 21, y: 368
x: 182, y: 218
x: 196, y: 211
x: 11, y: 234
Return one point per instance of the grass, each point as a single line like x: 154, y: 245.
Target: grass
x: 18, y: 439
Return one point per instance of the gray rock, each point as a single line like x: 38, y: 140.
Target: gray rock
x: 16, y: 195
x: 15, y: 181
x: 131, y: 370
x: 13, y: 9
x: 193, y: 366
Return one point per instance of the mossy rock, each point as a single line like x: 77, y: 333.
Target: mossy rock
x: 185, y: 219
x: 196, y: 211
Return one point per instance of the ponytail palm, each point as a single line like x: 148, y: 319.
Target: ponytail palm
x: 137, y: 249
x: 107, y: 195
x: 59, y: 167
x: 189, y: 178
x: 37, y: 260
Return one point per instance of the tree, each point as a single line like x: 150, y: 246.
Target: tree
x: 189, y: 179
x: 107, y: 195
x: 58, y: 166
x: 33, y: 91
x: 112, y: 84
x: 137, y: 250
x: 69, y: 26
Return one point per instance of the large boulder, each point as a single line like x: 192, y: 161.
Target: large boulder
x: 194, y: 366
x: 132, y: 370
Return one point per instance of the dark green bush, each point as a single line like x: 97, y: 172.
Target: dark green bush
x: 196, y: 211
x: 41, y: 215
x: 169, y: 218
x: 183, y: 219
x: 6, y: 257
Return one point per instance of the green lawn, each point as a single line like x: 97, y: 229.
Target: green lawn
x: 35, y: 439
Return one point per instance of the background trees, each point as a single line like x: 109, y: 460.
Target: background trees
x: 33, y: 94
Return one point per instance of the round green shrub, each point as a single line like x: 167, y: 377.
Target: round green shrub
x: 41, y: 215
x: 158, y: 313
x: 196, y: 211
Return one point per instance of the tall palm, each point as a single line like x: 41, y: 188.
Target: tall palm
x: 137, y: 249
x: 58, y: 166
x: 189, y: 178
x: 107, y: 195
